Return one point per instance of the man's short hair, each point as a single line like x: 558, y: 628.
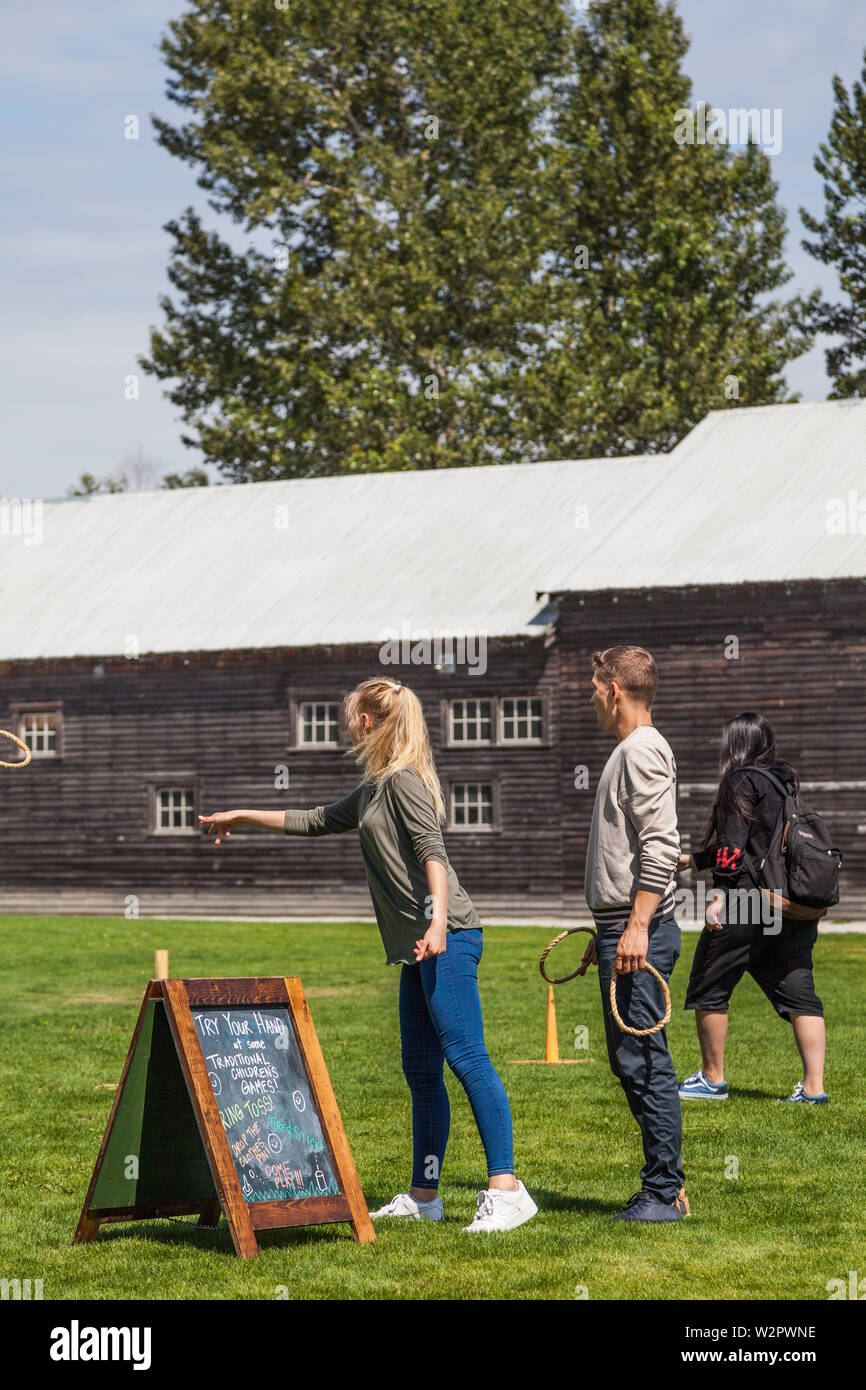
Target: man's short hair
x: 632, y: 668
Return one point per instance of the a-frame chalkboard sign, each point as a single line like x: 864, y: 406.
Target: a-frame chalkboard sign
x: 225, y: 1104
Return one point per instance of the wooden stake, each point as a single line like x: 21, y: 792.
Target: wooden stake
x: 551, y: 1041
x: 160, y: 965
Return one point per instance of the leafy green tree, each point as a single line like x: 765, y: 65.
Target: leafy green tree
x: 418, y: 180
x: 138, y: 474
x: 89, y: 485
x: 669, y: 249
x: 193, y: 477
x: 841, y: 236
x: 394, y: 155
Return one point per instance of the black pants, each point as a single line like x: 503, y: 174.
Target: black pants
x: 780, y: 963
x: 643, y: 1066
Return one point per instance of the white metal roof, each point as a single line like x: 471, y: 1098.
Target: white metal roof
x: 349, y: 559
x: 752, y: 494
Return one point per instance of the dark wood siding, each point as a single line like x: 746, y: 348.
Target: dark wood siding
x: 220, y: 722
x: 76, y: 830
x: 801, y: 663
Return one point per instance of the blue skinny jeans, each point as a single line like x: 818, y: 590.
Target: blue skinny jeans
x: 440, y: 1021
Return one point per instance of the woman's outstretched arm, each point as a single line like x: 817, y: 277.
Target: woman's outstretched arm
x: 335, y: 819
x: 224, y: 822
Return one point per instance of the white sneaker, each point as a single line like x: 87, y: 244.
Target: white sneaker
x: 405, y: 1205
x: 502, y: 1211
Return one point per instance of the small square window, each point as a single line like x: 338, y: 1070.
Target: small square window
x: 175, y: 810
x: 522, y: 720
x: 471, y: 805
x: 319, y: 724
x: 38, y: 729
x: 470, y: 721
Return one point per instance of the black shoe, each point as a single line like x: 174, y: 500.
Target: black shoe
x: 643, y: 1206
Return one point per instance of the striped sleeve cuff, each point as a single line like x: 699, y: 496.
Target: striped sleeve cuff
x: 654, y: 882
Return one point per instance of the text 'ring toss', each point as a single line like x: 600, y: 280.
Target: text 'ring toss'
x: 635, y: 1032
x: 22, y: 762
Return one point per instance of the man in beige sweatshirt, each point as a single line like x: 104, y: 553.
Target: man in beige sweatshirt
x: 631, y: 860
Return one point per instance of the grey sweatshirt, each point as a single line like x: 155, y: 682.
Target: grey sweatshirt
x: 633, y: 839
x: 399, y: 832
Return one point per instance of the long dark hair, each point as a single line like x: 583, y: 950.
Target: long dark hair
x: 747, y: 741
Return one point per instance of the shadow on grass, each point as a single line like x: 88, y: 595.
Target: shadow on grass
x: 217, y: 1240
x: 754, y: 1095
x: 563, y: 1201
x: 546, y: 1200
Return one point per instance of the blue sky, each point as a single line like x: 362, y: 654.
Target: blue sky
x: 83, y: 254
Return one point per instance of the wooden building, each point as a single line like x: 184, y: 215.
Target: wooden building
x: 168, y: 653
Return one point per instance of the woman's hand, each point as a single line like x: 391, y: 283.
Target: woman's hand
x: 432, y: 943
x: 779, y: 906
x: 711, y: 916
x: 221, y: 824
x: 685, y: 862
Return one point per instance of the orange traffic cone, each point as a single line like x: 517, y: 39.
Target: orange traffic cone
x: 551, y: 1043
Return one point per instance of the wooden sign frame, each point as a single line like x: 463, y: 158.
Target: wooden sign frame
x: 244, y: 1218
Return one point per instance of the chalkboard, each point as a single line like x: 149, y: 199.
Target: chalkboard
x: 266, y: 1104
x: 225, y: 1106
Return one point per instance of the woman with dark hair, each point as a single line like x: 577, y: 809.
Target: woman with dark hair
x: 739, y: 935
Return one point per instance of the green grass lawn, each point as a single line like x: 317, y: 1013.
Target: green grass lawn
x: 792, y: 1220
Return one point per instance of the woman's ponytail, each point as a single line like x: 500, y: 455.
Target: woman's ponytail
x: 399, y: 737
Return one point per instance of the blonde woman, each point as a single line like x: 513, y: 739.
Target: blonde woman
x: 430, y: 927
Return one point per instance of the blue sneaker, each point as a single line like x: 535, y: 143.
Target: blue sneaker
x: 798, y: 1097
x: 697, y: 1087
x: 643, y: 1206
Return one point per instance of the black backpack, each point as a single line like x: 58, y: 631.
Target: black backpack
x: 801, y: 862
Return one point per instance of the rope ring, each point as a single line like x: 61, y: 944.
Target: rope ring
x: 4, y: 733
x: 635, y: 1032
x: 642, y: 1032
x: 555, y: 942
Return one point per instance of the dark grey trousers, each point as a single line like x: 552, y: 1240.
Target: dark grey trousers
x: 643, y: 1066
